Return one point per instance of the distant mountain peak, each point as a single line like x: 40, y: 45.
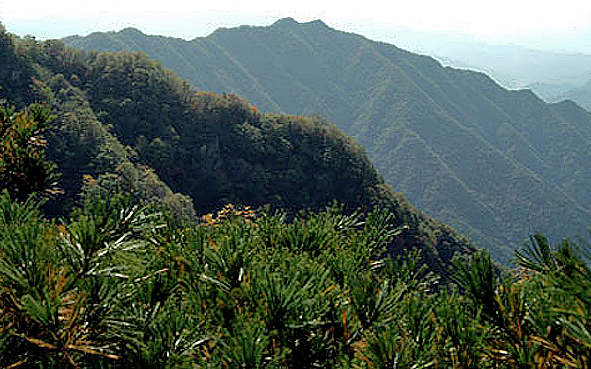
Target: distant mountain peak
x: 131, y: 31
x: 126, y: 32
x: 287, y: 22
x: 318, y: 22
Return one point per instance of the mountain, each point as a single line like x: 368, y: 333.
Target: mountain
x: 581, y: 95
x: 515, y: 66
x: 551, y: 92
x: 545, y: 71
x: 497, y: 164
x: 554, y: 76
x: 125, y: 124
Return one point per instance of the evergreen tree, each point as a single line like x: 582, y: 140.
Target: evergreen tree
x: 23, y: 168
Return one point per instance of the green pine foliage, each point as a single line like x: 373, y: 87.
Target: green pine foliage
x: 23, y: 168
x: 119, y: 285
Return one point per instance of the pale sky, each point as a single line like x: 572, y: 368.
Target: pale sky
x: 501, y: 21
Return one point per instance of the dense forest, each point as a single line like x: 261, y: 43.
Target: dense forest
x: 495, y: 164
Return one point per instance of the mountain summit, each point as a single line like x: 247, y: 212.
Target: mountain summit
x: 290, y: 22
x: 497, y: 164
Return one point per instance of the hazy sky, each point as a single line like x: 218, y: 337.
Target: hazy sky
x: 527, y: 22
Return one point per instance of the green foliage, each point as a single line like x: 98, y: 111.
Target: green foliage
x: 120, y: 285
x: 76, y: 141
x: 539, y: 316
x: 60, y: 284
x: 23, y: 168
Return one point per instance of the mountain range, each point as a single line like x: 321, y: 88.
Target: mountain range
x: 552, y: 76
x: 497, y: 164
x: 555, y: 74
x: 123, y: 124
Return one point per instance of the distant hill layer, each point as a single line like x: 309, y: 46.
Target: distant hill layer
x: 124, y: 123
x: 517, y: 67
x: 550, y: 74
x: 497, y: 164
x: 555, y: 93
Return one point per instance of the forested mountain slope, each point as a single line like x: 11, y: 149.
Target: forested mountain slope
x: 124, y: 123
x: 495, y: 163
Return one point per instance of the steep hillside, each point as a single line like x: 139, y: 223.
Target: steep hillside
x: 124, y: 123
x: 497, y: 164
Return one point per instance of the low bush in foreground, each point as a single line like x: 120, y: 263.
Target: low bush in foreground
x: 120, y: 285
